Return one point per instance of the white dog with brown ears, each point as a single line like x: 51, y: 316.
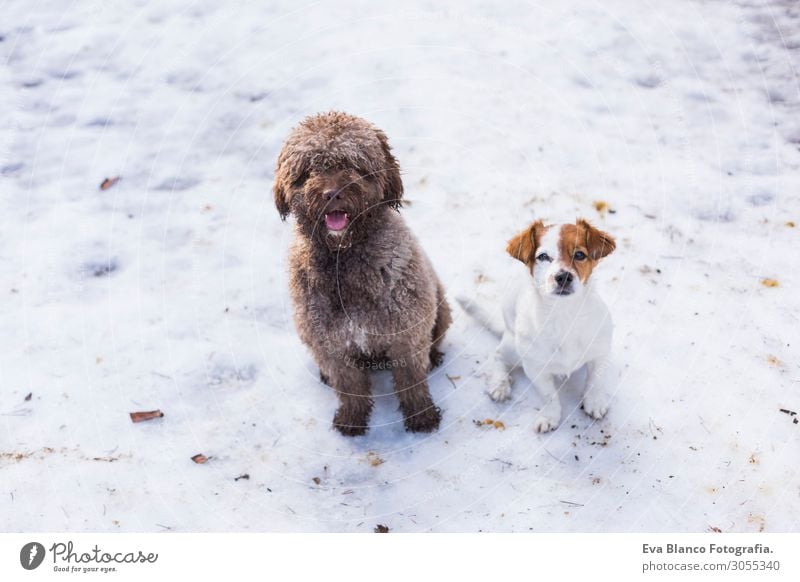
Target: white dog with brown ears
x: 555, y: 322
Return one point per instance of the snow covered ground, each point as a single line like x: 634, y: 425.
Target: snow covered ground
x: 168, y: 290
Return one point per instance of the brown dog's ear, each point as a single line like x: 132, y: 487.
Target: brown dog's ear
x: 523, y: 246
x: 280, y: 187
x: 280, y: 199
x: 599, y: 243
x: 390, y: 174
x: 289, y: 171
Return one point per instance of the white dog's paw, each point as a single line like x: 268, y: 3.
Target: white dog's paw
x: 500, y: 391
x: 549, y: 417
x: 595, y: 405
x: 545, y: 423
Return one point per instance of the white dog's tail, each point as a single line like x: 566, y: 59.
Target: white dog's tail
x: 480, y: 315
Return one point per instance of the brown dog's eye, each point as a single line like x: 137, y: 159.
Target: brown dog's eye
x: 579, y: 256
x: 544, y: 257
x: 300, y: 180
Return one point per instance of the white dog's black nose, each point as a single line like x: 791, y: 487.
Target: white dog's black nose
x: 564, y: 278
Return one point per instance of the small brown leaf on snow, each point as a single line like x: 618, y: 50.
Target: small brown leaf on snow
x: 200, y: 459
x: 109, y: 182
x: 147, y: 415
x: 770, y: 283
x: 373, y: 459
x: 601, y: 206
x: 498, y: 424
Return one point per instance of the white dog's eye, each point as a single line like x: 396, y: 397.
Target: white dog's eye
x: 544, y: 257
x: 579, y: 256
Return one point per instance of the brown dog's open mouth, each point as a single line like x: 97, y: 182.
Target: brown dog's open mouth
x: 336, y: 220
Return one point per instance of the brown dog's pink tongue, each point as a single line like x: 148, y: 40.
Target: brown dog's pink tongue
x: 336, y: 220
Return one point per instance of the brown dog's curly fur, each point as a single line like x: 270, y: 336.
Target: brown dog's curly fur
x: 365, y: 296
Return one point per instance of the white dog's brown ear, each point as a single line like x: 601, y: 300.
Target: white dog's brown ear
x: 523, y: 246
x: 599, y: 243
x: 390, y: 175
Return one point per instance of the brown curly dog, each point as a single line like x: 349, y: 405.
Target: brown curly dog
x: 365, y: 294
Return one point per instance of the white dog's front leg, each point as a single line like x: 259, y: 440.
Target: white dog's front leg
x: 550, y: 414
x: 499, y: 382
x: 596, y: 397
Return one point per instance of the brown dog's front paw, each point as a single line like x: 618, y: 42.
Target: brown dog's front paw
x: 349, y: 423
x: 349, y: 430
x: 437, y: 358
x: 427, y: 420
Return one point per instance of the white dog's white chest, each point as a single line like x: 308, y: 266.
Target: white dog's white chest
x: 556, y: 353
x: 559, y: 341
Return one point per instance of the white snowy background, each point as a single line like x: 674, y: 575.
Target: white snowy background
x: 168, y: 290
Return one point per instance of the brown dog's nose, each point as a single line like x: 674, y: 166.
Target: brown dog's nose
x: 563, y: 278
x: 331, y: 194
